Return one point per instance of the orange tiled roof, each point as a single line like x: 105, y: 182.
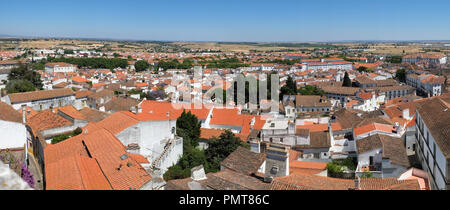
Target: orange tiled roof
x: 71, y: 112
x: 312, y: 182
x: 83, y: 93
x: 226, y: 116
x: 100, y: 84
x: 47, y: 120
x: 156, y: 110
x: 139, y: 158
x: 58, y: 64
x: 79, y: 79
x: 207, y: 133
x: 115, y: 123
x: 8, y: 113
x: 320, y: 127
x: 306, y: 167
x: 69, y: 165
x: 373, y: 127
x: 40, y: 95
x: 29, y: 112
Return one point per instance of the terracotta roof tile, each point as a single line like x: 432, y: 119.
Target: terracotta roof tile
x: 116, y: 122
x: 8, y: 113
x: 71, y: 112
x: 47, y: 120
x: 251, y: 164
x: 98, y: 151
x: 40, y: 95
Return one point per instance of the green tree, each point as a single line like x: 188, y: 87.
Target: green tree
x: 68, y: 51
x: 311, y: 90
x: 176, y: 172
x: 38, y: 66
x: 367, y: 174
x: 220, y: 148
x: 400, y: 75
x: 96, y: 63
x: 19, y: 86
x: 362, y: 69
x: 289, y: 89
x: 188, y: 127
x: 141, y: 65
x: 24, y: 72
x: 347, y: 81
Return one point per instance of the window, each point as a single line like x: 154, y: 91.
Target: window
x: 281, y: 139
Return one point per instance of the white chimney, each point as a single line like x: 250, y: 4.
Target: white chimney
x: 358, y: 183
x: 255, y: 146
x: 24, y: 114
x: 198, y: 173
x: 405, y: 114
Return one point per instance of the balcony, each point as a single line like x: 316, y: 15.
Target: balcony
x: 375, y: 170
x: 369, y: 168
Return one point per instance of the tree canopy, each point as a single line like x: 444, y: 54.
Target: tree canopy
x: 96, y: 63
x: 347, y: 81
x: 400, y: 75
x: 311, y: 90
x: 23, y: 79
x: 220, y: 148
x: 141, y: 65
x: 362, y: 69
x: 289, y: 89
x: 188, y: 127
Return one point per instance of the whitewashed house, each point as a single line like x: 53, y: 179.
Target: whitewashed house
x: 13, y: 133
x: 41, y: 100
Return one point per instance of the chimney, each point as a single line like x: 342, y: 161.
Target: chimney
x: 405, y: 114
x: 255, y: 146
x: 277, y: 161
x: 357, y: 183
x: 24, y: 114
x: 198, y: 173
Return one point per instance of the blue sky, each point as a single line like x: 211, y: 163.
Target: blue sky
x: 230, y: 20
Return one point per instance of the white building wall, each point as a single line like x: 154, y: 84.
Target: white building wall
x: 364, y: 158
x: 12, y: 134
x: 441, y: 161
x: 46, y: 103
x: 152, y: 134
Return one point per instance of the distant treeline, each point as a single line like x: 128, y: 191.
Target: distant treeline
x: 285, y: 62
x: 394, y: 59
x: 188, y: 63
x: 100, y: 63
x: 298, y: 45
x: 287, y: 44
x: 175, y: 64
x: 224, y: 63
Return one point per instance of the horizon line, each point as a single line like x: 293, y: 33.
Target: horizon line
x: 6, y: 36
